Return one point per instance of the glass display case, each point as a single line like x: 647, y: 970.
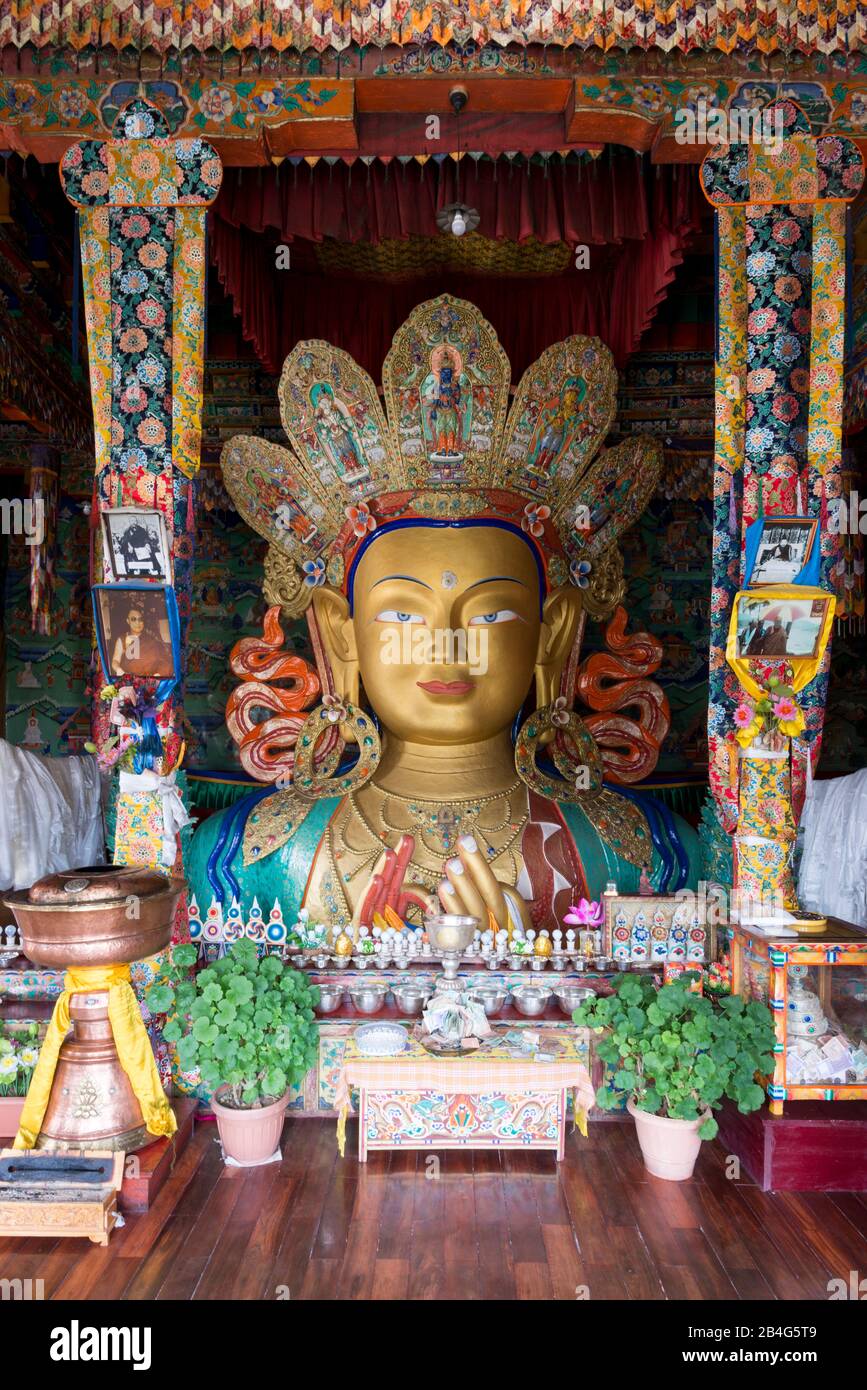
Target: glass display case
x: 816, y: 989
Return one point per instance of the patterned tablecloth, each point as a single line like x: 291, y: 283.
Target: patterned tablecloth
x: 546, y: 1061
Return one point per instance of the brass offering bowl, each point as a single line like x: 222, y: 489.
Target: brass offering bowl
x: 94, y: 917
x: 808, y: 923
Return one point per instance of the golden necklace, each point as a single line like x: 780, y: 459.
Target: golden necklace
x: 436, y: 826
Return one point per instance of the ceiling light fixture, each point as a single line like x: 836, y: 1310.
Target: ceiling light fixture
x: 458, y: 217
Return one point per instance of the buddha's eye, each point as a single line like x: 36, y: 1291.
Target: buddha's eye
x: 395, y: 615
x: 502, y: 615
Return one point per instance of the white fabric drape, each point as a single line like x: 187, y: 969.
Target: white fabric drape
x: 833, y: 874
x: 50, y: 815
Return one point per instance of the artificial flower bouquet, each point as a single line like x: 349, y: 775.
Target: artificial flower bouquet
x: 775, y: 712
x: 19, y: 1053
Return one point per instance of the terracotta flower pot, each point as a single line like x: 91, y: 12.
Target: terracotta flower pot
x: 669, y: 1147
x: 10, y: 1114
x: 249, y: 1136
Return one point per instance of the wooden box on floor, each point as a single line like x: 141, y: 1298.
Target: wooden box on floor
x: 61, y: 1206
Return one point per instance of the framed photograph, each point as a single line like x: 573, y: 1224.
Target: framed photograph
x: 136, y: 544
x: 786, y: 627
x: 779, y: 550
x: 137, y: 630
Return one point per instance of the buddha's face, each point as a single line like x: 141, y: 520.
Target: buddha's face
x: 446, y: 629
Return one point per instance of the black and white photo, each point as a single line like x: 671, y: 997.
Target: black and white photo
x: 784, y: 548
x: 136, y: 544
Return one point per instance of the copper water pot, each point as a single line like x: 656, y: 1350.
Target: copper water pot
x: 92, y: 1104
x: 103, y: 915
x: 98, y: 916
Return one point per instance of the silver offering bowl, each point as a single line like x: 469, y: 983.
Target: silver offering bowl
x: 340, y: 962
x: 330, y: 999
x: 570, y: 996
x: 517, y: 962
x: 531, y: 1000
x: 449, y: 936
x: 491, y: 997
x: 367, y: 998
x: 411, y: 998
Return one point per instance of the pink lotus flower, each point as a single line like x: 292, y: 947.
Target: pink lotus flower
x: 586, y: 914
x: 744, y: 715
x: 785, y: 707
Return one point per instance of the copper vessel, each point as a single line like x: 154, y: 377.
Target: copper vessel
x: 97, y: 916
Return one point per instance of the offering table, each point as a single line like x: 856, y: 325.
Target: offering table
x: 501, y: 1095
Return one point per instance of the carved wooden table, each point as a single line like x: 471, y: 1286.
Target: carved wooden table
x: 499, y: 1096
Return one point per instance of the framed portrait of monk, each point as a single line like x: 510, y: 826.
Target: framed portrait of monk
x: 782, y: 550
x: 137, y: 630
x: 787, y: 626
x: 136, y: 544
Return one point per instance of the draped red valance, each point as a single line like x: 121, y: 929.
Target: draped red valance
x: 636, y: 220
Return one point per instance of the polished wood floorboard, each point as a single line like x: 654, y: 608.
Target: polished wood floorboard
x: 490, y: 1226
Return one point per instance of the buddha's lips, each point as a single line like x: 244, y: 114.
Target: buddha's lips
x: 446, y: 687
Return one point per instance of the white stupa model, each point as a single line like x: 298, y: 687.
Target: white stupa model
x: 804, y: 1016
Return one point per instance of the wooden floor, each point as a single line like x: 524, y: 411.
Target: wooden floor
x: 492, y: 1226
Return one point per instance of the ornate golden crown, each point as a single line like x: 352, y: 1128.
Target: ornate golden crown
x: 445, y: 449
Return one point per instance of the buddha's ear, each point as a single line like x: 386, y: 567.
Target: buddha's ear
x: 560, y: 616
x: 338, y: 637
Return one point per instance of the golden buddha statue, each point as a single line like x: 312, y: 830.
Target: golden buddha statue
x: 446, y: 577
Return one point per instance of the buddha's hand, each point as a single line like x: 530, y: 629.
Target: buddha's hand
x: 472, y: 889
x: 388, y: 887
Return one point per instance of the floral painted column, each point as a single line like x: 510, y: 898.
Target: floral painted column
x: 142, y: 199
x: 781, y: 223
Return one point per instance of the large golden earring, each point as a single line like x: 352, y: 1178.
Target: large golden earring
x: 573, y: 750
x: 575, y: 754
x: 312, y: 782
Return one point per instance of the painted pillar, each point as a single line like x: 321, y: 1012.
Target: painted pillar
x: 142, y: 199
x: 781, y: 279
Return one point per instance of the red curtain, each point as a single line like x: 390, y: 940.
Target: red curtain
x: 636, y: 221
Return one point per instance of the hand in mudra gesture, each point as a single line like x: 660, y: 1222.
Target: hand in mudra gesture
x: 470, y: 889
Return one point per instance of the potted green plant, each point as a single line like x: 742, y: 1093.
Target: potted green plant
x: 19, y: 1053
x: 247, y: 1024
x: 676, y: 1056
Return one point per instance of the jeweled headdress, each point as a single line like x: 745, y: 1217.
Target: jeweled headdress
x: 445, y: 449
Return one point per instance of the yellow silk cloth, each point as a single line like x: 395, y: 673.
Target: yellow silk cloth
x: 130, y: 1038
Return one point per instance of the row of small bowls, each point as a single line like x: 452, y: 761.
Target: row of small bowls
x: 368, y: 997
x: 529, y: 1000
